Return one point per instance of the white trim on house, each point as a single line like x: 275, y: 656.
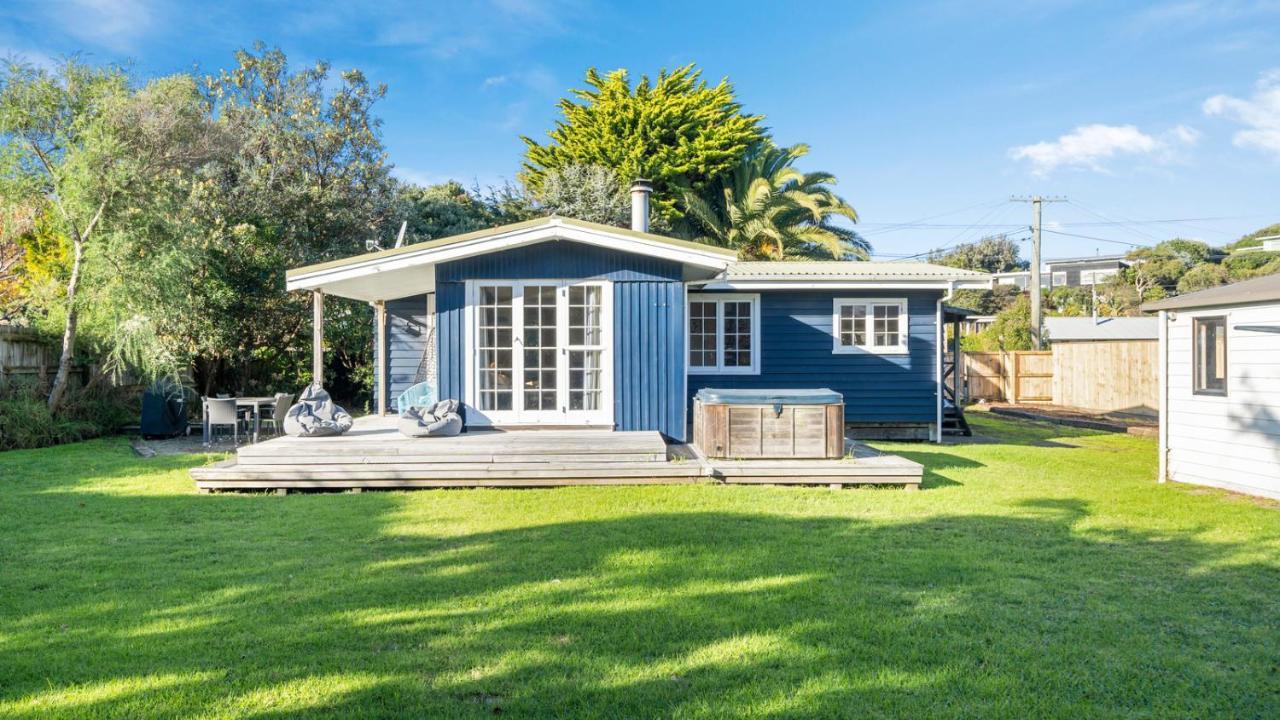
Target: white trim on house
x: 720, y: 299
x: 517, y: 415
x: 904, y: 325
x: 809, y: 284
x: 388, y: 268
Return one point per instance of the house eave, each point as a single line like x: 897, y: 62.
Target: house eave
x: 332, y: 277
x: 845, y: 284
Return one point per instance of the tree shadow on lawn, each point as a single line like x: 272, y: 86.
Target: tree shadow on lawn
x: 936, y: 464
x: 386, y: 604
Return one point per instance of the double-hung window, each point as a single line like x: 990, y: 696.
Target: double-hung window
x: 724, y: 333
x: 875, y: 325
x: 1209, y: 362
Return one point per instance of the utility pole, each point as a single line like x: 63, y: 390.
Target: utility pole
x: 1037, y: 323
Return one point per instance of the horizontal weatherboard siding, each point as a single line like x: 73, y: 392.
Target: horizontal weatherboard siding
x: 796, y: 353
x: 1227, y: 441
x: 407, y: 335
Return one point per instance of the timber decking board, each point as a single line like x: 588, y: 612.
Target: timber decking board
x: 376, y: 456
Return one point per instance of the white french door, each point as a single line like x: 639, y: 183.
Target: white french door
x: 540, y: 352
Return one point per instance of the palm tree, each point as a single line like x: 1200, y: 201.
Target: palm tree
x: 766, y: 209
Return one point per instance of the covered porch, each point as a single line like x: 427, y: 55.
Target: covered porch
x: 375, y: 456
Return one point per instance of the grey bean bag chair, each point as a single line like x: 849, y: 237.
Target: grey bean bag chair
x: 438, y: 420
x: 315, y: 415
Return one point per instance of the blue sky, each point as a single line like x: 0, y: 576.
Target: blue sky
x: 931, y: 114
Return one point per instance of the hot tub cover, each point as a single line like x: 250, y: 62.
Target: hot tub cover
x: 724, y: 396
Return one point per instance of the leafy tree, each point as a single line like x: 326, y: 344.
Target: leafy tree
x: 675, y: 130
x: 1202, y: 276
x: 987, y: 302
x: 82, y: 139
x: 765, y: 208
x: 1011, y: 330
x: 1156, y: 270
x: 990, y: 254
x: 587, y: 192
x: 17, y: 221
x: 1070, y: 301
x: 438, y: 211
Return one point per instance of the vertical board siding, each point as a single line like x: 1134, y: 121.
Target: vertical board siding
x: 451, y: 300
x: 1229, y: 441
x: 559, y: 260
x: 648, y: 326
x: 795, y: 353
x: 649, y: 357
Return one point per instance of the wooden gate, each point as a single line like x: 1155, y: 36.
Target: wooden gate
x: 1020, y: 376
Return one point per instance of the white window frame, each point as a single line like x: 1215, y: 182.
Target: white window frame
x: 904, y: 326
x: 720, y: 299
x: 604, y: 415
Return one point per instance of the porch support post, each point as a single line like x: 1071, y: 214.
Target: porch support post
x: 957, y: 367
x: 317, y: 338
x: 380, y: 318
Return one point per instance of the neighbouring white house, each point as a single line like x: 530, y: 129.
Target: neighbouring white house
x: 1220, y: 386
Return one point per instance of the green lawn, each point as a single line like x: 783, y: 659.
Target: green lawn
x: 1044, y: 574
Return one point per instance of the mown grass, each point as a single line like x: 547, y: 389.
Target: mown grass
x: 1042, y: 574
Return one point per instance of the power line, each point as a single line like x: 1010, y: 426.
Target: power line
x: 892, y: 226
x: 1123, y: 222
x: 1091, y: 237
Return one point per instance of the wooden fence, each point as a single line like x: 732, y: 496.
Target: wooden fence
x: 26, y: 357
x: 1107, y: 375
x: 1024, y: 376
x: 1100, y: 376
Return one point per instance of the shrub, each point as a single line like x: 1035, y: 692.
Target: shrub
x: 25, y: 420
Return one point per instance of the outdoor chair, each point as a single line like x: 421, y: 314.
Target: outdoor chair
x: 436, y: 420
x: 315, y: 415
x: 279, y: 412
x: 221, y: 412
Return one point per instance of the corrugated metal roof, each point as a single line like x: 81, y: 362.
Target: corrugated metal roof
x: 847, y: 270
x: 1104, y: 328
x: 1257, y: 290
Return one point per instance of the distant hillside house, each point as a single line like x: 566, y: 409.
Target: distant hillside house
x: 1067, y: 272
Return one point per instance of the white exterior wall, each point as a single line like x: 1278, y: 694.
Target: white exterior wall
x: 1230, y: 441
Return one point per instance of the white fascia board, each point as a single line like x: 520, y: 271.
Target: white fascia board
x: 553, y: 230
x: 930, y: 284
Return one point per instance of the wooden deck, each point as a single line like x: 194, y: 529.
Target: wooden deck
x: 373, y: 455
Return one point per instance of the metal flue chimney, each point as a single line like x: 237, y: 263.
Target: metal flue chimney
x: 640, y: 190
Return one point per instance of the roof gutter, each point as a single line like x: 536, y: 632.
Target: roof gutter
x: 720, y: 282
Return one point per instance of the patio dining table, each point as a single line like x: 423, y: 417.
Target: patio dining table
x: 255, y: 405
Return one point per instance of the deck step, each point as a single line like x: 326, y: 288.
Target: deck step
x: 446, y: 471
x: 452, y: 459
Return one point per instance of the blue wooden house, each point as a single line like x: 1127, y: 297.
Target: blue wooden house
x: 559, y: 322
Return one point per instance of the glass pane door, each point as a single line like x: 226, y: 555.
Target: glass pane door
x: 540, y: 354
x: 586, y: 351
x: 496, y: 371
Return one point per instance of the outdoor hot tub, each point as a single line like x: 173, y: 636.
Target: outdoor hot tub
x: 769, y: 423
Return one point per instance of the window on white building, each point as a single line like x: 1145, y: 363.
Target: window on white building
x: 1209, y: 363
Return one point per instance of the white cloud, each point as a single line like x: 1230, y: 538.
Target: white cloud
x: 112, y: 24
x: 1259, y: 114
x: 1090, y: 146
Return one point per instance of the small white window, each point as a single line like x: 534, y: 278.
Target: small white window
x: 869, y: 325
x: 724, y: 334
